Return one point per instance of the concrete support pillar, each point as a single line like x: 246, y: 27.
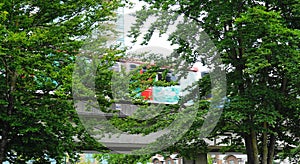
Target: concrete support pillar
x: 187, y: 161
x: 201, y: 159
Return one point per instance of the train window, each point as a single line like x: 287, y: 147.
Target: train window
x: 116, y: 67
x: 203, y: 74
x: 168, y: 78
x: 144, y: 69
x: 159, y: 77
x: 132, y: 67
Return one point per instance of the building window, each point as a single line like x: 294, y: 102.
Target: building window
x: 231, y: 159
x: 156, y: 161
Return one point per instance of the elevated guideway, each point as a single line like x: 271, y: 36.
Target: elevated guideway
x: 132, y: 142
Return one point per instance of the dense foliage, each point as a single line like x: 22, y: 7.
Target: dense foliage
x: 259, y: 45
x: 39, y: 44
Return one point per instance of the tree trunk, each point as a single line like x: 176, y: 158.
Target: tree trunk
x: 254, y: 146
x: 3, y: 143
x: 265, y: 145
x: 271, y: 149
x: 249, y: 149
x: 200, y: 159
x: 10, y: 97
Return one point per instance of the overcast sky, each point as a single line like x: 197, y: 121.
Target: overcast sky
x: 156, y: 45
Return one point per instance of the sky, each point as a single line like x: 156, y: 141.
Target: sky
x: 157, y: 44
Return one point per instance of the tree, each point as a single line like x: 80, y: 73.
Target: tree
x: 259, y: 44
x: 39, y: 44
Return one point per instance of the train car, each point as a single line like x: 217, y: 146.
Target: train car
x: 163, y: 94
